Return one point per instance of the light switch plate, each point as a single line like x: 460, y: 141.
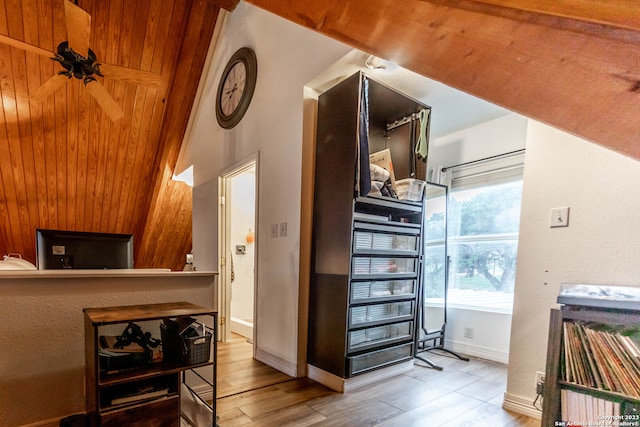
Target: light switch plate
x: 559, y: 217
x: 283, y: 229
x: 274, y: 231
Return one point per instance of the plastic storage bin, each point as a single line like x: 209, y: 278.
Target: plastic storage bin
x: 177, y: 346
x: 410, y: 189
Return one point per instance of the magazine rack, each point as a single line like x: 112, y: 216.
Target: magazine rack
x: 592, y: 372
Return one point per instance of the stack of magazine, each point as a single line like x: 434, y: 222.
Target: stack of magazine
x: 602, y: 357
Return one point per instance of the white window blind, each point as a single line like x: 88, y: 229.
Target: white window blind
x: 499, y: 169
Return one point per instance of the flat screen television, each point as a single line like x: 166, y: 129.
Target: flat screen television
x: 59, y: 249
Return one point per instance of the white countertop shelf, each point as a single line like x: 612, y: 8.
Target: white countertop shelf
x: 114, y: 273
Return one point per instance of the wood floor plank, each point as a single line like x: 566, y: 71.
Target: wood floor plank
x: 436, y: 412
x: 463, y: 394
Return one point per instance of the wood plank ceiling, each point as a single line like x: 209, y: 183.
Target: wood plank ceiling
x: 573, y: 64
x: 63, y: 163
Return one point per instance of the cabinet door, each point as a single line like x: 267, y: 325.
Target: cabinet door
x: 164, y: 413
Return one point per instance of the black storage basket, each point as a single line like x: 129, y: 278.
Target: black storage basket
x: 185, y: 350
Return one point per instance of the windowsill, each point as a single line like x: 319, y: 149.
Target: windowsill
x: 490, y: 302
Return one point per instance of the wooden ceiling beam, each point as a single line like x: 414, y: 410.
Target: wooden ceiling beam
x: 229, y: 5
x: 615, y: 19
x: 578, y: 81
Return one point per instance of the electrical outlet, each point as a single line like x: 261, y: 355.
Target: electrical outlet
x: 539, y: 384
x: 468, y: 333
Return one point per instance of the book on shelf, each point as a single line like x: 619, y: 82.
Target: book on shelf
x: 143, y: 393
x: 581, y: 409
x: 383, y: 159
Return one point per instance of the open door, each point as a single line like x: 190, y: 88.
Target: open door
x: 238, y: 247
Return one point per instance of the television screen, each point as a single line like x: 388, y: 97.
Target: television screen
x: 58, y: 249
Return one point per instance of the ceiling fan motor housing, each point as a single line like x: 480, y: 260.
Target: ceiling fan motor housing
x: 77, y: 66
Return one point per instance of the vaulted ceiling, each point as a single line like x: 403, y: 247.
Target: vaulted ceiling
x: 65, y: 165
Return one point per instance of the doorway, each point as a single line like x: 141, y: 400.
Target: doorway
x: 238, y: 206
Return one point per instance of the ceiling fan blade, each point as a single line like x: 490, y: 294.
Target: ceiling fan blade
x: 105, y: 100
x: 131, y: 75
x: 48, y: 87
x: 25, y: 46
x: 78, y: 28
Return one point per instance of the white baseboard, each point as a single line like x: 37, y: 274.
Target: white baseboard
x: 242, y: 327
x: 278, y: 363
x: 477, y: 351
x: 344, y: 385
x: 521, y: 405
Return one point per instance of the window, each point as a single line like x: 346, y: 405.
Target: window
x: 483, y: 220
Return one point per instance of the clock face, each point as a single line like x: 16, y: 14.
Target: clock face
x: 233, y: 88
x: 236, y: 87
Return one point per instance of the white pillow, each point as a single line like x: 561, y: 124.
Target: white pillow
x: 15, y: 262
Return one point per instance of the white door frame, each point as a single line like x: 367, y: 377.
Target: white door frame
x: 224, y: 246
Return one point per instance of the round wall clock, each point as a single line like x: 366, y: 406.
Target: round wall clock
x: 236, y: 87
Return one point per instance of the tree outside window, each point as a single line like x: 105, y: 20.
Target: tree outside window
x: 482, y: 243
x: 483, y: 226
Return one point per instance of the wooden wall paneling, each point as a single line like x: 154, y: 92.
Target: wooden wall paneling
x: 32, y: 63
x: 6, y: 241
x: 92, y: 164
x: 12, y: 241
x: 101, y: 168
x: 23, y: 147
x: 84, y: 125
x: 135, y: 151
x: 499, y: 58
x: 195, y: 40
x: 60, y: 101
x: 71, y: 160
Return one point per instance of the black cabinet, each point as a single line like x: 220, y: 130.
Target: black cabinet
x: 367, y: 250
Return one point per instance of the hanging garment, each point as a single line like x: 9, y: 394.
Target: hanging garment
x: 422, y: 147
x: 364, y: 175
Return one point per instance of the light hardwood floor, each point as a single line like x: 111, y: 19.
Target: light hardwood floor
x: 463, y: 394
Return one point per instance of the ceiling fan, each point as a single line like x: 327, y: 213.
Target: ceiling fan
x: 81, y: 63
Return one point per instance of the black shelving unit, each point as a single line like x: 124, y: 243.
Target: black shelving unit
x: 367, y: 250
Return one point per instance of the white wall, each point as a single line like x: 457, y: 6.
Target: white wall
x: 288, y: 57
x: 498, y: 136
x: 601, y: 244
